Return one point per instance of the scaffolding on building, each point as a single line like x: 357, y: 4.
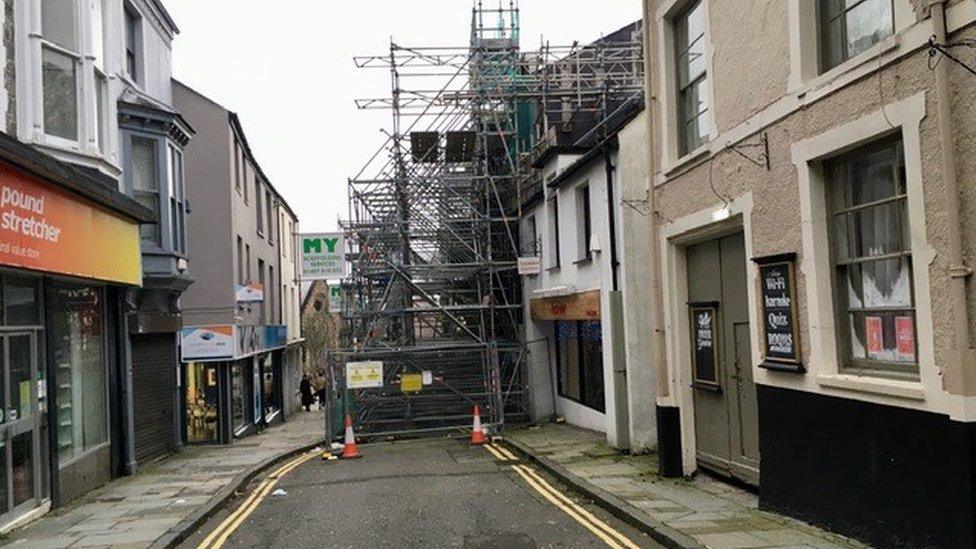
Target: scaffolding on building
x: 432, y: 229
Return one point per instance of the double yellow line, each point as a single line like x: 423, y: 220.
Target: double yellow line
x: 599, y: 528
x: 219, y: 536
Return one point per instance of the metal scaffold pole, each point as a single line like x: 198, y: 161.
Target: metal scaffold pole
x: 434, y: 217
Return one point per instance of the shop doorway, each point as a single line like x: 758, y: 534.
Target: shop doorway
x: 724, y: 393
x: 202, y: 403
x: 20, y: 475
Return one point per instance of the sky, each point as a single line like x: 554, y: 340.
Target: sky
x: 287, y: 71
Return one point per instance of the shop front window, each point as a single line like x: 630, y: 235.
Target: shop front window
x: 579, y: 362
x: 268, y: 387
x: 202, y: 399
x: 238, y: 396
x: 77, y: 341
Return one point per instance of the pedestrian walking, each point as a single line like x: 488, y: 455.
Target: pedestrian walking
x: 305, y: 388
x: 319, y: 387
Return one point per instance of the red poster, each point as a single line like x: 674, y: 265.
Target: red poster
x: 873, y: 330
x: 905, y: 334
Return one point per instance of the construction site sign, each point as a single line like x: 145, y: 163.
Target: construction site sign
x: 364, y: 375
x: 323, y: 256
x: 411, y: 383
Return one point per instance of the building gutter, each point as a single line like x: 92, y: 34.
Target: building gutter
x: 653, y: 256
x: 611, y: 218
x: 963, y: 379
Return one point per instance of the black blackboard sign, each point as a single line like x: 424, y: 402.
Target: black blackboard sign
x: 781, y: 344
x: 704, y: 342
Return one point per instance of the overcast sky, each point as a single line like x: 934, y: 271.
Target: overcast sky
x: 287, y: 70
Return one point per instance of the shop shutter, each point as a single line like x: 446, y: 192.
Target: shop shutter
x: 153, y: 392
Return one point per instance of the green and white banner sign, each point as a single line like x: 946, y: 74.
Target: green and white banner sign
x: 323, y: 256
x: 335, y: 298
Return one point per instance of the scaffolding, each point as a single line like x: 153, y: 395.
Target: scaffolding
x: 432, y: 226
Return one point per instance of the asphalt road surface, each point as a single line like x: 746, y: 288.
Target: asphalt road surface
x: 429, y: 493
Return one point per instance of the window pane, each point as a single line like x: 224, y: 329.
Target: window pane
x: 841, y: 237
x: 20, y: 303
x: 131, y: 44
x: 833, y: 42
x: 144, y: 169
x: 888, y: 336
x: 867, y: 24
x: 569, y: 370
x: 98, y: 32
x: 101, y: 91
x: 855, y: 286
x: 60, y: 95
x: 145, y: 181
x: 58, y: 23
x: 872, y: 176
x: 858, y: 348
x: 78, y: 344
x: 691, y: 64
x: 878, y: 230
x: 887, y: 283
x: 591, y: 343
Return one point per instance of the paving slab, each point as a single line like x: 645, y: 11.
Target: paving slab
x: 167, y: 500
x: 699, y: 512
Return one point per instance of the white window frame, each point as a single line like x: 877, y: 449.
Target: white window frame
x: 667, y: 61
x: 139, y: 78
x: 808, y: 156
x: 94, y: 148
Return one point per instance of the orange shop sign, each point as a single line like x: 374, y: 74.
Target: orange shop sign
x: 581, y: 306
x: 47, y: 229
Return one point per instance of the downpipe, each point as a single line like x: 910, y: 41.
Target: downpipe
x: 961, y: 378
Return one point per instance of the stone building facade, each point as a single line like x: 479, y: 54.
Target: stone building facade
x: 813, y: 308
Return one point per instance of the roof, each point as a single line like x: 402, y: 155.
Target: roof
x: 235, y: 123
x: 90, y: 184
x: 596, y: 152
x: 164, y: 13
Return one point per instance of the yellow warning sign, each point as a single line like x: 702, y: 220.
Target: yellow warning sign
x: 411, y: 383
x: 364, y: 375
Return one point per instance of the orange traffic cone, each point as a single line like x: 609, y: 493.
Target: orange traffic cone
x: 349, y: 451
x: 477, y: 433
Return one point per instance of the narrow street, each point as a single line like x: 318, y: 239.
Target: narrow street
x: 428, y: 493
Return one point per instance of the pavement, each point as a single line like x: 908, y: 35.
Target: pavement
x: 412, y: 494
x: 162, y: 503
x: 700, y: 512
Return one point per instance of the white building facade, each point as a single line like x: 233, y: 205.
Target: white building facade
x: 583, y: 364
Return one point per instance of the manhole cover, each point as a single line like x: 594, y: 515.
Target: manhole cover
x: 499, y: 541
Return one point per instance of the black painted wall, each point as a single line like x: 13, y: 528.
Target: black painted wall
x: 888, y: 476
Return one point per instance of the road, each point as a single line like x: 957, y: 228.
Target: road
x: 422, y: 494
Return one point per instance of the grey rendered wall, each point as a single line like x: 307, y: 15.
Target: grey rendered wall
x: 244, y: 223
x: 633, y: 176
x: 211, y: 299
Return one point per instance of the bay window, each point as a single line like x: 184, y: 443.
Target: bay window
x: 69, y: 60
x: 144, y: 169
x: 153, y: 144
x: 177, y: 199
x: 60, y: 83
